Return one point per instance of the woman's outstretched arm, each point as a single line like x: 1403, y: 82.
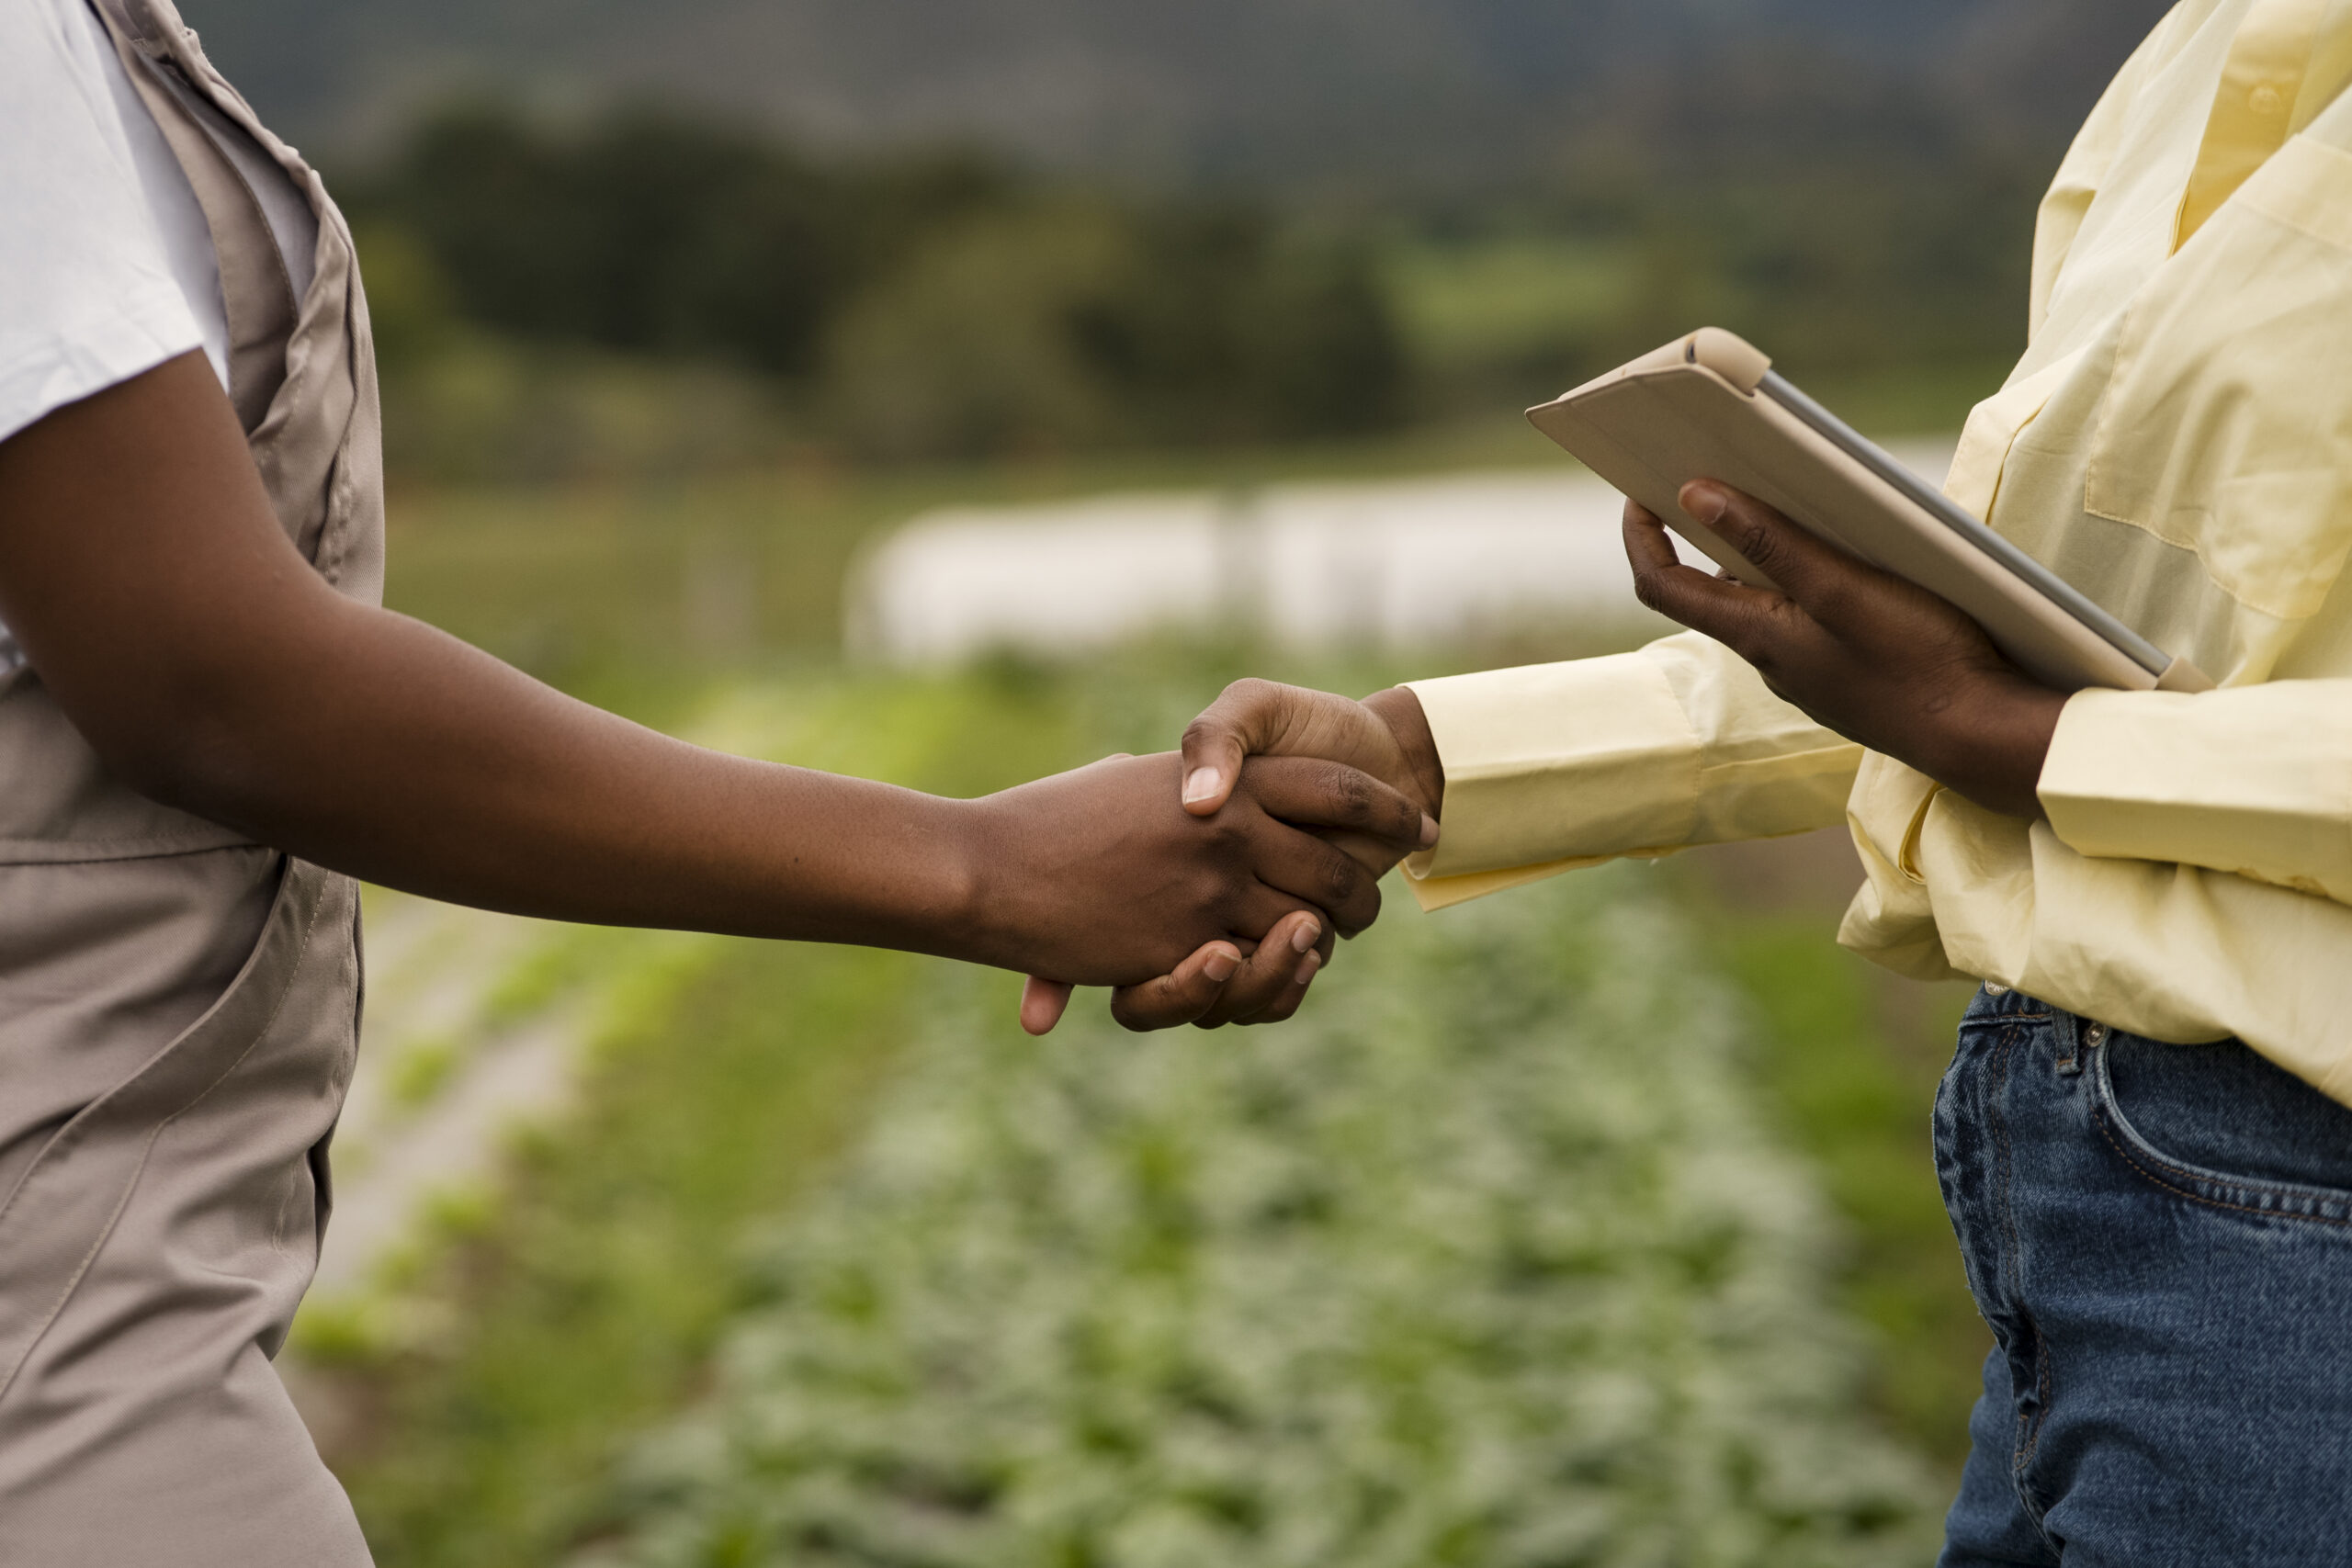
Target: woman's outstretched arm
x: 152, y: 589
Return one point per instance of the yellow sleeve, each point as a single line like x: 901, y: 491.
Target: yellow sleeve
x: 2255, y: 780
x: 1554, y: 766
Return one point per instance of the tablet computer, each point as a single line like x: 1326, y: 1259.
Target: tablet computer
x: 1710, y: 406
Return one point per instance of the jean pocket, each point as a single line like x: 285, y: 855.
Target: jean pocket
x: 2219, y: 1125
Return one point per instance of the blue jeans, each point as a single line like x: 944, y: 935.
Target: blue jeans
x: 2161, y: 1238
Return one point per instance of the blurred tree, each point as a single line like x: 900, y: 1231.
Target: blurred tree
x: 648, y: 233
x: 409, y: 299
x: 1074, y: 322
x: 933, y: 305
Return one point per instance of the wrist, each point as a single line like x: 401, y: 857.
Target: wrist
x: 1996, y: 757
x: 1409, y: 725
x: 979, y: 919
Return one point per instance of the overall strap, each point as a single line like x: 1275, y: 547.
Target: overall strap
x: 254, y: 286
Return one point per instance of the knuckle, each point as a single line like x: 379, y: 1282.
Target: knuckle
x: 1204, y: 732
x: 1760, y: 545
x: 1336, y: 874
x: 1249, y: 695
x: 1788, y: 621
x: 1352, y: 791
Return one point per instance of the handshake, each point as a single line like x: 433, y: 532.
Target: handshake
x: 1210, y: 886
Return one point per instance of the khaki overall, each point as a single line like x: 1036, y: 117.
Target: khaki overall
x: 178, y: 1006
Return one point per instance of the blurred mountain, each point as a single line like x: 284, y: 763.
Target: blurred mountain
x: 1379, y: 92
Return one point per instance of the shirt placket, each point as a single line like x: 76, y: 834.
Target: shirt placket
x: 2253, y: 108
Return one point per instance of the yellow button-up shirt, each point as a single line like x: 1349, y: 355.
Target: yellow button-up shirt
x: 2177, y: 443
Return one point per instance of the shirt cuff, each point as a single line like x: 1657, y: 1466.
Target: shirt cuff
x: 2249, y: 780
x: 1558, y: 762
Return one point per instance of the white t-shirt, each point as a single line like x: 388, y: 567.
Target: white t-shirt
x: 106, y: 265
x: 106, y: 269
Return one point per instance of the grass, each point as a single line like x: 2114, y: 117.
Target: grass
x: 583, y: 1305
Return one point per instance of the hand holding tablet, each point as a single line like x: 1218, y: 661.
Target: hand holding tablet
x: 1709, y: 407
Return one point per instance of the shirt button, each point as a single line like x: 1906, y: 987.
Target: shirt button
x: 2266, y: 101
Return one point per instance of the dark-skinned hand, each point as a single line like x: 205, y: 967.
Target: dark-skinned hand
x: 1880, y: 661
x: 1385, y: 736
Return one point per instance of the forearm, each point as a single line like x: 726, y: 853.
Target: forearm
x: 370, y: 742
x: 167, y: 615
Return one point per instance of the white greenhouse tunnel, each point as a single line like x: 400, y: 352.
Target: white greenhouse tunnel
x: 1399, y: 564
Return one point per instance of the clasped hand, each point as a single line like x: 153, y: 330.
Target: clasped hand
x: 1878, y: 659
x: 1199, y: 911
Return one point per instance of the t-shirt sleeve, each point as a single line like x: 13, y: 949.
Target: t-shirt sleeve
x: 87, y: 297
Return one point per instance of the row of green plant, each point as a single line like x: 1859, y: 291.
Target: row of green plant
x: 1488, y: 1260
x: 1511, y: 1243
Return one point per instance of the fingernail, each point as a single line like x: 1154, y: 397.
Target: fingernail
x: 1428, y: 829
x: 1201, y: 784
x: 1704, y: 503
x: 1222, y: 962
x: 1306, y: 968
x: 1304, y: 939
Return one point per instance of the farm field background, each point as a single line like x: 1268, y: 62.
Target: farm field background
x: 1596, y: 1224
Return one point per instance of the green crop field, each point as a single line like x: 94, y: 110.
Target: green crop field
x: 1593, y: 1225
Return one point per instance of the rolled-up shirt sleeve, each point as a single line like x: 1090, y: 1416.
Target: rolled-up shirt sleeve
x: 2252, y: 780
x: 1550, y: 767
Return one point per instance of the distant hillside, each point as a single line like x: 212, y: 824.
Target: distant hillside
x: 1385, y: 93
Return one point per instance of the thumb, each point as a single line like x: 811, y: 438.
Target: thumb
x: 1043, y: 1003
x: 1798, y: 564
x: 1245, y: 717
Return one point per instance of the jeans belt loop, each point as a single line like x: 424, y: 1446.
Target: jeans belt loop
x: 2074, y: 1034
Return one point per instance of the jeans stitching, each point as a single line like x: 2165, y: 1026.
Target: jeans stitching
x: 2002, y: 1020
x: 2141, y: 1156
x: 2133, y: 1160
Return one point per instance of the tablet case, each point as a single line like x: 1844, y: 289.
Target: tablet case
x: 1706, y: 406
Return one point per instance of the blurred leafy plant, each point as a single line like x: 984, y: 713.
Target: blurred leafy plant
x: 1486, y: 1261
